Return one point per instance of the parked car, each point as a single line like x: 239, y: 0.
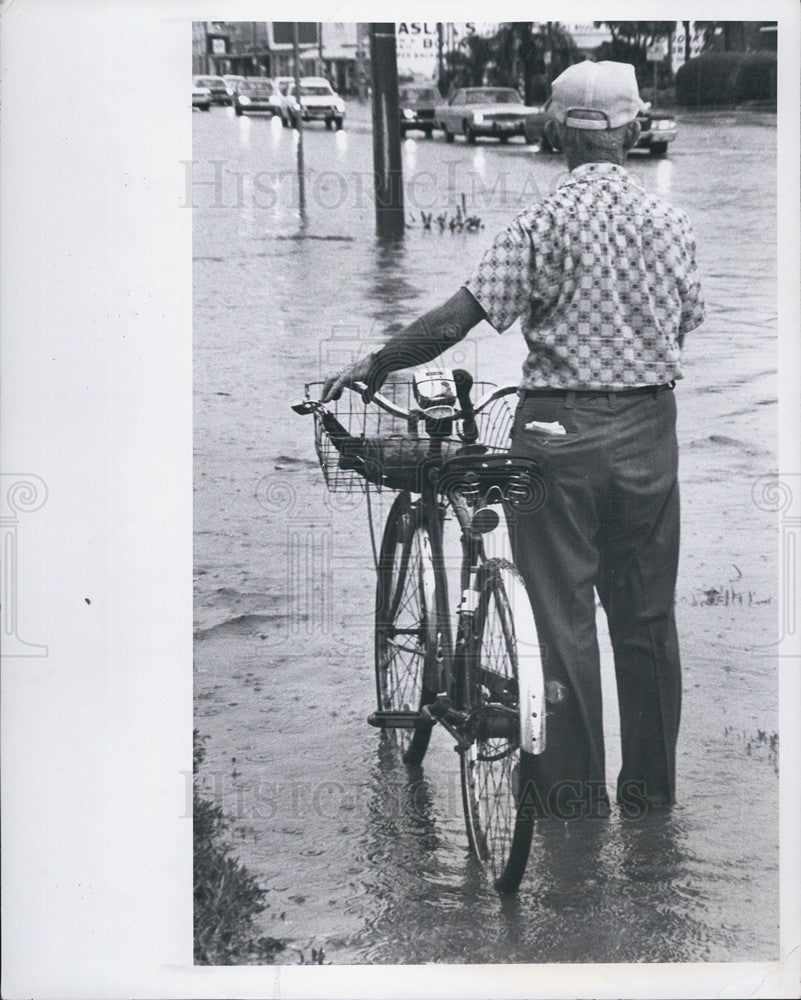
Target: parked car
x: 318, y: 102
x: 417, y: 104
x: 216, y: 86
x: 657, y: 129
x: 498, y: 112
x: 257, y: 94
x: 201, y: 98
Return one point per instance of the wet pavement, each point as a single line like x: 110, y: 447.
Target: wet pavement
x: 359, y: 855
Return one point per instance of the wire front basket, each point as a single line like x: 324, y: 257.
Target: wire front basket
x: 365, y: 444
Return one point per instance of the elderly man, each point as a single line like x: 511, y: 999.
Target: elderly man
x: 603, y: 277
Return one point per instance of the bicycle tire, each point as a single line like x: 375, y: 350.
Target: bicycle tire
x: 505, y: 667
x: 405, y: 622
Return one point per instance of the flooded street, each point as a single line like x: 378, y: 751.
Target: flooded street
x: 360, y: 855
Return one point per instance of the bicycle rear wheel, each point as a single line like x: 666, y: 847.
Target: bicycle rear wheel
x: 504, y: 668
x: 405, y: 622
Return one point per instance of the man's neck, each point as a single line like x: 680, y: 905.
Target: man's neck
x: 580, y: 161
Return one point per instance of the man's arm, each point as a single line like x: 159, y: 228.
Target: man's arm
x: 424, y: 339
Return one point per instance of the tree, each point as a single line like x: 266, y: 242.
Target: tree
x: 738, y: 36
x: 529, y: 55
x: 631, y: 41
x: 515, y: 56
x: 639, y: 34
x: 467, y: 65
x: 518, y: 55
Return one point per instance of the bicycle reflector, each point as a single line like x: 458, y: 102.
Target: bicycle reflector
x: 435, y: 392
x: 485, y: 519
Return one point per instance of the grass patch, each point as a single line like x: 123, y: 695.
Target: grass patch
x: 227, y: 897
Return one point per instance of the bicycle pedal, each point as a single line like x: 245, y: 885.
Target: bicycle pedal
x: 440, y: 705
x: 397, y: 720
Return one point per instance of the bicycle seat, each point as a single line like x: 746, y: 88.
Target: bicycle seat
x: 519, y: 479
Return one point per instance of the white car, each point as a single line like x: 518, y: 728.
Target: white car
x: 216, y: 86
x: 318, y: 102
x: 201, y: 97
x: 496, y: 112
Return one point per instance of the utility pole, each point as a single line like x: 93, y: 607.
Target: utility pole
x: 299, y: 124
x: 548, y: 60
x: 440, y: 58
x: 361, y: 75
x: 387, y: 166
x: 670, y: 57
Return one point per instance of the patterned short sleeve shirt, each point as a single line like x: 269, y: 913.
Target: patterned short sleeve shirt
x: 603, y: 278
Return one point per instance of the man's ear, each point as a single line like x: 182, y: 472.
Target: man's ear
x: 553, y: 134
x: 632, y: 134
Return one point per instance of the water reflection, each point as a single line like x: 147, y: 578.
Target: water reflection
x: 401, y: 829
x: 389, y: 289
x: 276, y: 133
x: 480, y: 162
x: 245, y: 126
x: 595, y: 891
x: 566, y: 857
x: 341, y: 143
x: 649, y: 848
x: 663, y: 179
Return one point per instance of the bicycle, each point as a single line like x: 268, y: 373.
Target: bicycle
x: 484, y: 685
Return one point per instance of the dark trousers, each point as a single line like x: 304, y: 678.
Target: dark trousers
x: 609, y: 524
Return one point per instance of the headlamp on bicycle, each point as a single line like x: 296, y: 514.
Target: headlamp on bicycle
x: 435, y: 392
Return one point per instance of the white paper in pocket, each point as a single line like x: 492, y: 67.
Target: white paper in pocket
x: 541, y: 427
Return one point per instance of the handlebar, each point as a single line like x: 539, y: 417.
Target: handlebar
x: 466, y: 411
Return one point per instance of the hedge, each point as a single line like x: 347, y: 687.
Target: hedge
x: 727, y: 78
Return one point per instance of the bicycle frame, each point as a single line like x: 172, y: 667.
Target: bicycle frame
x: 448, y: 675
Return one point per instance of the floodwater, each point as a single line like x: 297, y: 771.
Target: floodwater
x: 360, y: 856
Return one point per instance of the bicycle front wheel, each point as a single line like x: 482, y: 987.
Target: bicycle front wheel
x: 504, y: 669
x: 406, y: 626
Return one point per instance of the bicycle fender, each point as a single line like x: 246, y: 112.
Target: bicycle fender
x: 531, y: 704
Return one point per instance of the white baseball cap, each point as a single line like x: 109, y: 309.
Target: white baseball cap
x: 606, y: 87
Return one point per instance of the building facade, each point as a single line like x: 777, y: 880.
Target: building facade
x: 282, y: 47
x: 251, y: 48
x: 343, y: 57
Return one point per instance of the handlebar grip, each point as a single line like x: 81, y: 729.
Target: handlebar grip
x: 464, y: 383
x: 304, y: 407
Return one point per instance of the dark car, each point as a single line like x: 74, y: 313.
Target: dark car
x: 657, y: 130
x: 417, y: 103
x: 257, y: 95
x: 216, y: 87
